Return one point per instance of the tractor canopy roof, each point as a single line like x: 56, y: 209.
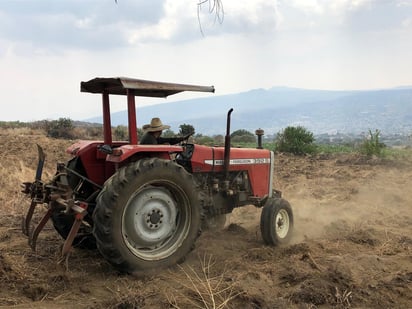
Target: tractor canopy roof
x: 139, y: 87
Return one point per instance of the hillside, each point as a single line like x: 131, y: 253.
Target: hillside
x: 389, y: 110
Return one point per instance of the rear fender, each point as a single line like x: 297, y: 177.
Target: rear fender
x: 123, y: 153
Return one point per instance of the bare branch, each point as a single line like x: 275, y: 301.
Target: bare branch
x: 215, y: 7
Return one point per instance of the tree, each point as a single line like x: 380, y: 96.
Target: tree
x: 218, y: 139
x: 186, y: 129
x: 121, y: 133
x: 242, y: 136
x: 203, y: 140
x: 140, y: 132
x: 297, y: 140
x: 168, y: 133
x: 61, y: 128
x: 215, y: 7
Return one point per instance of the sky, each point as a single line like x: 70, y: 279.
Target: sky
x: 48, y: 47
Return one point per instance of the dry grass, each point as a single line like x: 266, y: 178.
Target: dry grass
x: 15, y: 172
x: 21, y: 131
x: 343, y: 299
x: 18, y: 162
x: 125, y: 295
x: 203, y: 288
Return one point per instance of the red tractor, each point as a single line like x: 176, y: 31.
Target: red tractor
x: 144, y: 206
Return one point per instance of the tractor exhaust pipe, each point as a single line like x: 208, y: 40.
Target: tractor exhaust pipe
x: 259, y: 133
x: 227, y: 146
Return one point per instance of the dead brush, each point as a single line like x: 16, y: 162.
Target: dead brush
x: 202, y: 288
x: 389, y: 245
x: 124, y: 295
x: 343, y: 299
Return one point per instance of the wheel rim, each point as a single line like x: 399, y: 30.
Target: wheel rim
x: 282, y: 223
x: 156, y: 220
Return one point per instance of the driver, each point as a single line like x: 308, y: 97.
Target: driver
x: 153, y: 132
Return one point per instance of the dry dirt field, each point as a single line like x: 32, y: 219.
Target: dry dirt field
x: 352, y: 245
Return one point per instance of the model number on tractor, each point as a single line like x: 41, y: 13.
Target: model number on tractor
x: 240, y: 161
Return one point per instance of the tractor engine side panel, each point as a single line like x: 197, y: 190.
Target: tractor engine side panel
x: 257, y: 163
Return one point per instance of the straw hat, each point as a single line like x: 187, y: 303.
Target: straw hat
x: 155, y: 125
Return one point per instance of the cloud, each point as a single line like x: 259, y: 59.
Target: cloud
x: 328, y: 6
x: 51, y: 26
x: 75, y: 24
x: 182, y: 22
x: 105, y: 25
x: 47, y: 47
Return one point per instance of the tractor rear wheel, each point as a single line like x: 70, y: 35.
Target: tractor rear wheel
x: 147, y: 216
x: 63, y: 222
x: 276, y: 222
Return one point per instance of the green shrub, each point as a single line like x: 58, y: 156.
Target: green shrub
x: 61, y: 128
x: 372, y: 145
x: 140, y: 132
x: 168, y: 133
x: 13, y: 124
x: 121, y: 133
x: 218, y: 140
x: 242, y: 136
x: 297, y: 140
x: 185, y: 129
x: 204, y: 140
x: 335, y: 148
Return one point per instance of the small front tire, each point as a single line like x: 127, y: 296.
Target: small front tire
x: 276, y: 222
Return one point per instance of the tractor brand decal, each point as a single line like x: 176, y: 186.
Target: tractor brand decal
x: 240, y: 161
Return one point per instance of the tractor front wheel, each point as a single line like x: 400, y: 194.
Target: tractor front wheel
x: 147, y: 216
x: 276, y: 222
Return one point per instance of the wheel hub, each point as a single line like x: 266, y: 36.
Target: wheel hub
x: 282, y: 223
x: 154, y: 218
x: 150, y: 219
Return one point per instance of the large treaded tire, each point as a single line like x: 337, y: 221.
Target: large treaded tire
x: 276, y: 222
x: 63, y: 222
x: 147, y: 216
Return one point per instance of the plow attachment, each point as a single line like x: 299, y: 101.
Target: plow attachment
x: 57, y: 195
x: 35, y: 190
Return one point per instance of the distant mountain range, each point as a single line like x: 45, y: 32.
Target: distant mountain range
x: 320, y: 111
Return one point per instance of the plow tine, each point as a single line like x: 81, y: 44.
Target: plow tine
x: 81, y: 212
x: 69, y: 240
x: 25, y: 227
x: 33, y: 189
x: 39, y: 227
x: 42, y: 158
